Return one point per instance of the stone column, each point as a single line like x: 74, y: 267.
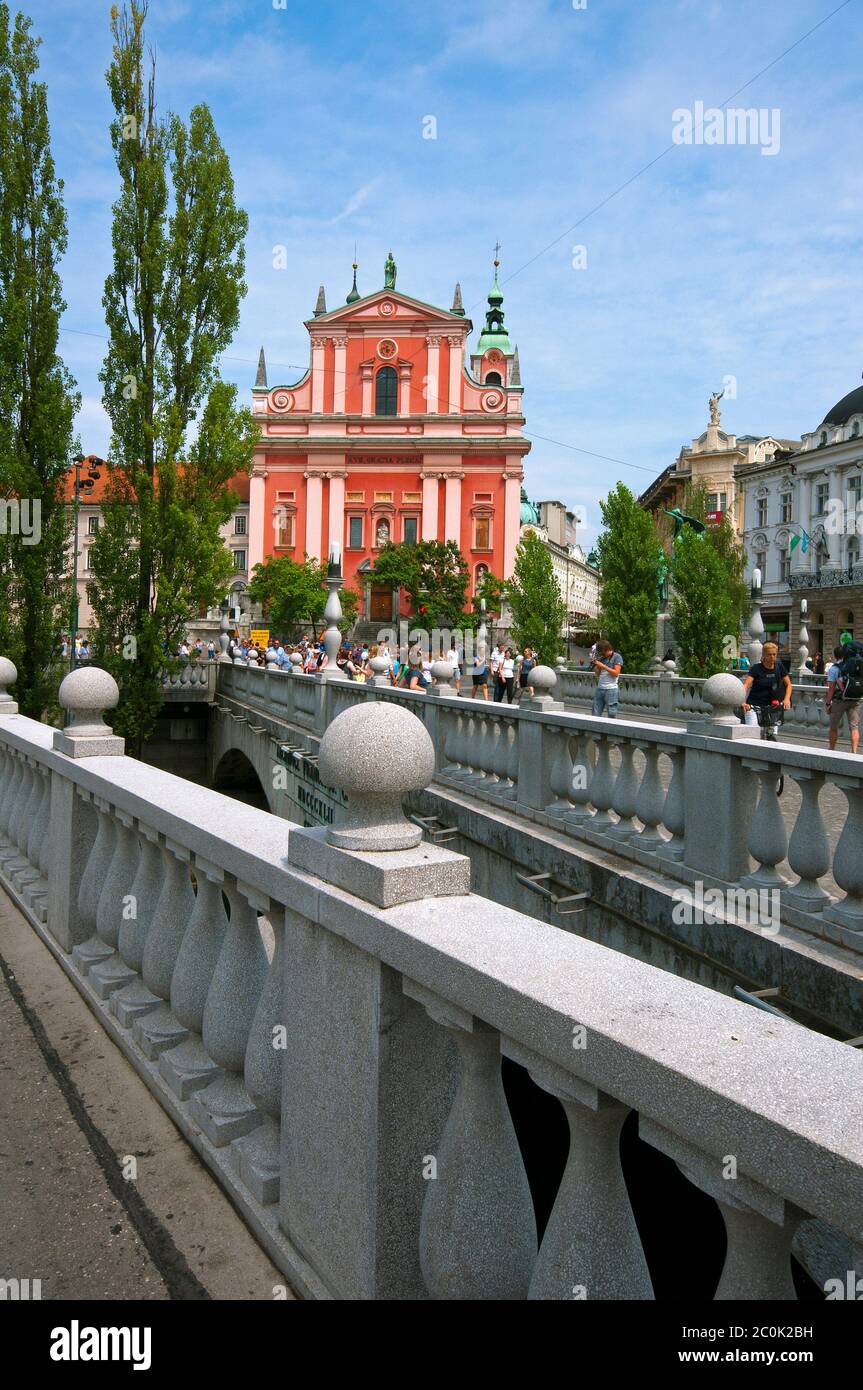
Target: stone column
x: 511, y: 520
x: 404, y: 370
x: 433, y: 373
x: 800, y: 563
x: 366, y: 372
x: 430, y: 506
x: 452, y: 508
x: 337, y: 509
x: 318, y: 346
x: 455, y: 372
x: 340, y: 369
x: 834, y: 535
x: 314, y: 514
x: 257, y: 520
x: 374, y: 1108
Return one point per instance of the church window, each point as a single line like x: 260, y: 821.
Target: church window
x: 410, y: 530
x: 284, y: 529
x: 386, y: 392
x: 482, y: 533
x: 355, y: 533
x: 493, y: 379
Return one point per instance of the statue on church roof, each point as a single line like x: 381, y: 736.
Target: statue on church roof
x: 715, y: 398
x: 390, y: 272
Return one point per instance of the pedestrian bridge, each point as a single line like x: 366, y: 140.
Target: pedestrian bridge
x: 329, y: 1015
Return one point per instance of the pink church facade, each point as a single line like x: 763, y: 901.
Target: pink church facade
x: 391, y: 435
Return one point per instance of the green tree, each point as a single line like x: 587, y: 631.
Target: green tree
x: 538, y: 610
x: 172, y: 305
x: 493, y: 589
x: 37, y: 396
x: 710, y: 596
x: 434, y: 575
x: 630, y: 557
x: 293, y: 594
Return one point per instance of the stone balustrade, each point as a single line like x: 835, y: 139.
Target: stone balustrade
x: 714, y: 819
x: 194, y: 681
x: 677, y: 697
x: 323, y: 1012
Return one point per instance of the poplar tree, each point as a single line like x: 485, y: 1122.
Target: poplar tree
x: 629, y: 556
x: 172, y: 304
x: 709, y: 594
x: 538, y: 610
x: 38, y: 401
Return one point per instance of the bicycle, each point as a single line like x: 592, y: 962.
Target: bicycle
x: 770, y: 719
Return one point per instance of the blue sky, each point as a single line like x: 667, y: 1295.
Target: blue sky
x: 718, y: 261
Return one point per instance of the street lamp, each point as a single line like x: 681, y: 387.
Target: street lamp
x: 83, y: 486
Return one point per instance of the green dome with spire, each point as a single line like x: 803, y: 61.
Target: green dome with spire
x: 494, y: 335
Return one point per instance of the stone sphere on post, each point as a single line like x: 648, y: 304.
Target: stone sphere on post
x: 8, y: 676
x: 542, y: 680
x: 380, y: 666
x: 376, y: 753
x: 296, y: 663
x: 86, y: 693
x: 726, y: 694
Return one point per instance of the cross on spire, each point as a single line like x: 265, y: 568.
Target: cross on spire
x: 497, y: 253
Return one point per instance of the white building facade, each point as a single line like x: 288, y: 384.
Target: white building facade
x: 814, y: 494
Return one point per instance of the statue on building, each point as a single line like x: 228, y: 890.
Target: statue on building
x: 390, y: 272
x: 715, y: 398
x: 382, y: 534
x: 663, y: 582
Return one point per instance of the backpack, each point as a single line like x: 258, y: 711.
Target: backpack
x: 851, y: 672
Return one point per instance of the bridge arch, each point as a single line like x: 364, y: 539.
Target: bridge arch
x: 236, y: 776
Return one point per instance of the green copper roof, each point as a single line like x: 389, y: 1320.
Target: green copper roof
x: 353, y: 294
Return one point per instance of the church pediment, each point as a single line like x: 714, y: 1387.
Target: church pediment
x: 390, y: 307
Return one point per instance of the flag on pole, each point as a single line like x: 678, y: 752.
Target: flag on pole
x: 796, y: 540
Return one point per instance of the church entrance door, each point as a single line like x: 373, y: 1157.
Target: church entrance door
x: 381, y: 603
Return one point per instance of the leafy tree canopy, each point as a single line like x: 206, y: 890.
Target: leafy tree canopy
x: 294, y: 593
x: 538, y: 609
x: 630, y: 558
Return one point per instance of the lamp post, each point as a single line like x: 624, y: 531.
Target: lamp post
x: 332, y: 612
x: 86, y: 486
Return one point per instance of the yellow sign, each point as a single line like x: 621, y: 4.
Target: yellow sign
x: 260, y: 636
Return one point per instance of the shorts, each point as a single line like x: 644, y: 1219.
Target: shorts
x: 480, y: 680
x: 839, y: 708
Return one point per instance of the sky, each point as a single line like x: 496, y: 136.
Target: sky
x: 640, y: 272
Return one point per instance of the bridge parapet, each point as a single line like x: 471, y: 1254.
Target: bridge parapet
x: 670, y: 696
x: 714, y: 821
x: 318, y: 1077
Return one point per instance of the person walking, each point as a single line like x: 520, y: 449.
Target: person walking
x: 452, y: 658
x: 842, y: 700
x: 526, y: 663
x: 480, y: 677
x: 506, y: 677
x: 608, y: 665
